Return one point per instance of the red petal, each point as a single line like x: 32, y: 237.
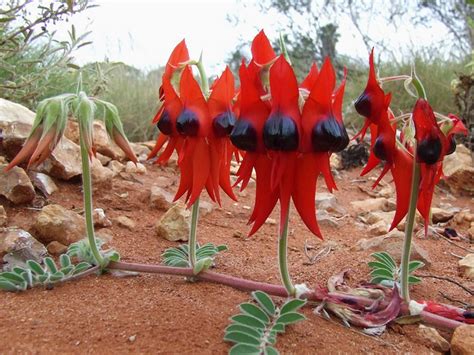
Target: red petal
x: 27, y: 149
x: 179, y: 55
x: 338, y: 98
x: 43, y: 149
x: 262, y: 50
x: 310, y: 79
x: 222, y: 94
x: 402, y: 176
x: 284, y: 89
x: 201, y: 168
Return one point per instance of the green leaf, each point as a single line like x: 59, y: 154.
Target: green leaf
x: 57, y: 276
x: 222, y: 248
x: 50, y: 264
x: 381, y: 265
x: 18, y: 270
x: 12, y: 277
x: 278, y: 328
x: 257, y: 333
x: 415, y: 265
x: 241, y: 338
x: 240, y: 349
x: 43, y: 278
x: 292, y: 305
x: 270, y: 350
x: 254, y: 311
x: 35, y: 267
x: 202, y: 265
x: 290, y: 318
x: 28, y: 277
x: 82, y: 266
x: 8, y: 286
x: 264, y: 301
x: 65, y: 260
x: 67, y: 270
x: 379, y: 279
x: 414, y: 279
x: 382, y: 272
x: 385, y: 258
x: 248, y: 321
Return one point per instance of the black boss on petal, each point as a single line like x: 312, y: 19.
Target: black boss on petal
x: 379, y: 149
x: 429, y: 150
x: 187, y: 123
x: 164, y: 124
x: 452, y: 146
x: 280, y: 133
x: 244, y: 136
x: 223, y: 124
x: 363, y: 105
x: 328, y: 135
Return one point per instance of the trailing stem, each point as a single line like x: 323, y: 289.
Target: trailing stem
x: 192, y: 234
x: 404, y: 285
x: 283, y: 258
x: 87, y: 188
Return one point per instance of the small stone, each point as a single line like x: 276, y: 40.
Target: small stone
x: 174, y: 225
x: 140, y: 150
x: 466, y: 266
x: 459, y: 170
x: 101, y: 176
x: 325, y: 219
x: 379, y: 228
x: 131, y: 168
x: 162, y: 181
x: 271, y: 221
x: 55, y: 223
x: 464, y: 218
x: 327, y: 201
x: 116, y: 167
x: 433, y: 338
x: 43, y: 183
x: 462, y: 342
x: 20, y: 246
x: 100, y: 219
x: 440, y: 215
x: 377, y: 216
x: 104, y: 160
x: 132, y: 338
x: 248, y: 208
x: 391, y: 204
x: 3, y: 216
x: 125, y: 222
x: 205, y: 208
x: 470, y: 232
x: 386, y: 191
x: 370, y: 205
x: 335, y: 162
x: 160, y: 198
x: 238, y: 234
x: 16, y: 186
x: 56, y: 248
x: 64, y: 162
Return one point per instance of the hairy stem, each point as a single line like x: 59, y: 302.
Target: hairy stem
x: 87, y: 188
x: 192, y: 234
x: 203, y: 75
x: 283, y: 258
x: 404, y: 285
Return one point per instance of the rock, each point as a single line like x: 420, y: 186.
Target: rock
x: 370, y: 205
x: 133, y: 168
x: 15, y: 122
x: 64, y: 162
x: 162, y: 181
x: 325, y: 219
x: 56, y: 248
x: 434, y: 340
x: 55, y: 223
x: 103, y: 144
x: 391, y: 204
x: 100, y: 219
x: 125, y: 222
x: 160, y: 198
x: 104, y: 160
x: 470, y: 232
x: 387, y: 191
x: 116, y: 167
x: 43, y: 183
x: 271, y: 221
x: 175, y: 224
x: 101, y: 176
x: 20, y: 246
x: 466, y: 266
x: 205, y: 208
x: 393, y: 244
x: 459, y: 170
x: 3, y: 216
x: 377, y: 216
x: 16, y: 186
x: 149, y: 144
x: 440, y: 215
x: 462, y: 342
x: 140, y: 150
x: 327, y: 201
x: 104, y: 235
x: 464, y: 218
x: 379, y: 228
x: 335, y: 162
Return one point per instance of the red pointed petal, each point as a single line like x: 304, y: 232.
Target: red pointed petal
x: 27, y: 149
x: 402, y: 176
x: 43, y: 149
x: 160, y: 141
x: 201, y: 168
x: 262, y: 50
x: 310, y: 79
x: 284, y: 88
x: 179, y: 55
x: 222, y: 94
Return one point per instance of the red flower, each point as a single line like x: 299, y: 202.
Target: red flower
x: 197, y: 129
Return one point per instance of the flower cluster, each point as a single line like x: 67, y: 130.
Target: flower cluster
x: 288, y: 132
x: 197, y: 127
x: 430, y: 144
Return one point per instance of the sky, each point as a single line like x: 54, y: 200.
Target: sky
x: 143, y: 33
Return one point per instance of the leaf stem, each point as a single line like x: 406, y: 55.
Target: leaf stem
x: 203, y: 75
x: 192, y: 234
x: 283, y: 258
